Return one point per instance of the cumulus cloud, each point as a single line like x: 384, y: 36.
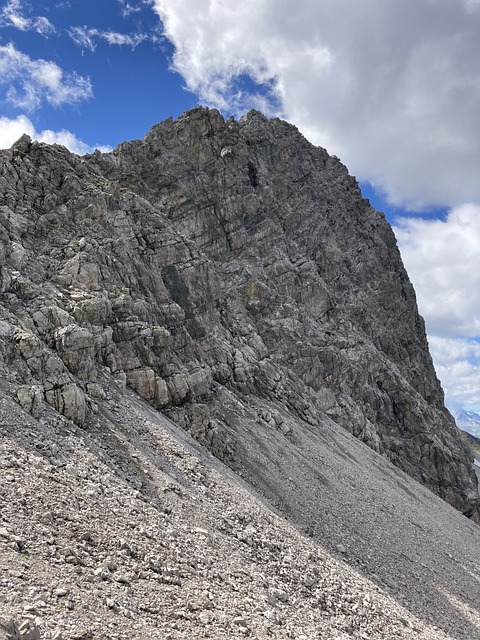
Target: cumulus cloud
x: 12, y: 15
x: 442, y: 258
x: 391, y: 87
x: 12, y: 128
x: 27, y: 81
x: 457, y: 363
x: 69, y: 140
x: 88, y: 37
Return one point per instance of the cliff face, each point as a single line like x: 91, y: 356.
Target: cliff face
x: 232, y: 275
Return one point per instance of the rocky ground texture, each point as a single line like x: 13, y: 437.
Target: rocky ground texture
x: 219, y: 287
x: 128, y: 528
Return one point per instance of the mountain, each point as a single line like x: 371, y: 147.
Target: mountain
x: 468, y: 421
x: 232, y: 275
x: 220, y: 287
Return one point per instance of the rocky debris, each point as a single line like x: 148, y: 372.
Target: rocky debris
x: 139, y: 533
x: 31, y: 399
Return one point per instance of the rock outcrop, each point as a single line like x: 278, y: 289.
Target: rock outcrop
x: 232, y: 275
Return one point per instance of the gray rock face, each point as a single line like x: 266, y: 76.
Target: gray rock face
x: 230, y: 273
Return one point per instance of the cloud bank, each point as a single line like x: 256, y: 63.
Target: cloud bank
x: 12, y: 128
x: 442, y: 258
x: 458, y: 367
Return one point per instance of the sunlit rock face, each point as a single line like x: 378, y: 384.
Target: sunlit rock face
x: 233, y: 276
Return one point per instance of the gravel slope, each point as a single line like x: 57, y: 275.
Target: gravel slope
x: 129, y: 529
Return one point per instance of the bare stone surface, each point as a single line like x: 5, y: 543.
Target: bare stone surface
x: 224, y: 279
x: 220, y: 255
x: 128, y: 528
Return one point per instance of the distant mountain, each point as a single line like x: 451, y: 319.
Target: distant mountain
x: 468, y: 421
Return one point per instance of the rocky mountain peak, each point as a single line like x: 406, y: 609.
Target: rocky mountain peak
x: 232, y: 275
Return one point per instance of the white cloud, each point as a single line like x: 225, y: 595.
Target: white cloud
x: 69, y: 140
x: 43, y: 26
x: 82, y: 37
x: 12, y: 128
x: 128, y: 8
x: 393, y: 88
x: 443, y: 261
x: 457, y: 363
x: 12, y: 15
x: 87, y: 37
x: 29, y: 81
x: 472, y: 5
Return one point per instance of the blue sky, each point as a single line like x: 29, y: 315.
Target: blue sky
x: 392, y: 88
x: 131, y: 86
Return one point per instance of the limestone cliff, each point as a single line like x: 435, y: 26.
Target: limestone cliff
x: 233, y: 276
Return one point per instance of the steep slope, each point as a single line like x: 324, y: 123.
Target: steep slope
x: 231, y: 274
x: 128, y: 529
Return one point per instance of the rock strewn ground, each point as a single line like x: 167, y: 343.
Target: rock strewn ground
x: 127, y: 529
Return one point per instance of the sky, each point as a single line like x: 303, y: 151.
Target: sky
x: 392, y: 87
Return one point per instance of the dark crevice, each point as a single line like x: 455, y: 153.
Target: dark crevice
x: 252, y: 174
